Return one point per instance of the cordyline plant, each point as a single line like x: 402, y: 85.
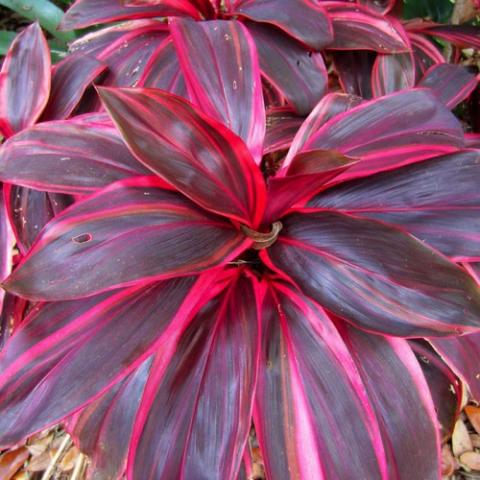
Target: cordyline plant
x: 198, y: 285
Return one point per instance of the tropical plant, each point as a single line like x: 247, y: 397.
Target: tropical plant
x: 222, y: 267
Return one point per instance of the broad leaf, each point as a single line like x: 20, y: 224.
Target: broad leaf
x: 196, y: 410
x: 402, y: 402
x: 450, y: 83
x: 103, y: 429
x: 299, y: 75
x: 84, y: 13
x: 138, y: 231
x: 6, y: 254
x: 375, y: 276
x: 24, y: 81
x: 74, y: 156
x: 354, y: 70
x: 304, y: 20
x: 356, y: 27
x: 94, y: 350
x: 392, y: 73
x: 426, y: 53
x: 219, y: 62
x: 70, y: 79
x: 419, y: 198
x: 402, y: 128
x: 198, y: 155
x: 282, y: 125
x: 310, y: 402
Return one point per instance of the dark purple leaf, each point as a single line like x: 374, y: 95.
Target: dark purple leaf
x: 138, y: 231
x: 198, y: 155
x: 282, y: 126
x: 311, y: 409
x: 450, y: 83
x: 402, y: 402
x: 299, y: 75
x: 304, y: 20
x: 220, y: 64
x: 392, y: 73
x: 196, y: 410
x: 375, y: 276
x: 24, y: 81
x: 75, y: 156
x: 419, y: 198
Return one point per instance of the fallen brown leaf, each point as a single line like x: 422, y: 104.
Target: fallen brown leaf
x: 471, y: 460
x: 10, y: 462
x: 69, y: 459
x: 39, y: 463
x: 461, y: 439
x: 473, y: 414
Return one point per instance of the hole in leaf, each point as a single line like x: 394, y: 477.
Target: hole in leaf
x: 82, y: 238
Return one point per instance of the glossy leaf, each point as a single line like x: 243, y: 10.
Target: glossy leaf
x: 26, y: 67
x: 84, y: 13
x: 163, y: 70
x: 329, y: 107
x: 419, y: 199
x: 139, y: 231
x: 462, y: 355
x: 30, y: 210
x: 299, y: 75
x: 125, y: 49
x: 304, y: 20
x: 356, y: 27
x: 310, y: 402
x: 74, y: 156
x: 282, y: 125
x: 375, y: 276
x: 402, y: 402
x: 444, y: 386
x: 463, y: 36
x: 6, y: 254
x: 392, y: 73
x: 112, y: 339
x: 220, y: 64
x: 103, y: 429
x: 70, y: 79
x: 185, y: 420
x: 402, y: 128
x: 198, y: 155
x: 450, y: 83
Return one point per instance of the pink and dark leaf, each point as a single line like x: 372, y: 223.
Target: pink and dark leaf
x: 219, y: 62
x: 163, y: 70
x: 419, y: 198
x: 30, y: 210
x: 24, y: 81
x: 282, y: 126
x: 403, y: 127
x: 356, y: 27
x: 298, y: 74
x: 103, y: 429
x: 310, y: 402
x: 329, y: 107
x: 98, y: 343
x: 450, y: 83
x: 462, y: 355
x: 206, y: 7
x: 70, y: 79
x: 375, y: 276
x: 354, y: 71
x: 304, y: 20
x: 463, y: 36
x: 425, y: 53
x: 401, y: 399
x: 310, y: 172
x: 132, y: 232
x: 201, y: 157
x: 85, y: 13
x: 392, y: 73
x: 75, y: 156
x: 444, y: 386
x: 381, y: 6
x: 127, y: 50
x: 196, y: 410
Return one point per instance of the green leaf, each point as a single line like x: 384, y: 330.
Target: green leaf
x: 6, y: 39
x: 436, y: 10
x: 47, y: 14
